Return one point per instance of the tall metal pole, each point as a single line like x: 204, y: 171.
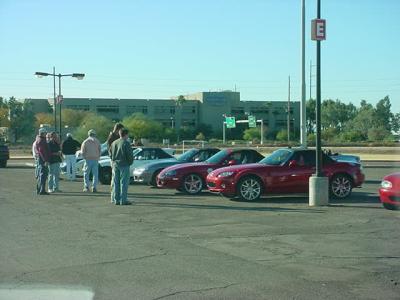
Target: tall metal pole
x: 318, y: 104
x: 223, y: 133
x: 59, y: 101
x: 288, y: 114
x: 55, y: 101
x: 303, y: 131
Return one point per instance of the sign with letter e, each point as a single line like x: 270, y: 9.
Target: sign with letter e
x: 318, y: 29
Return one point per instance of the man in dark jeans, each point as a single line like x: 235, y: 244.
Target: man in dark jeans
x: 43, y: 159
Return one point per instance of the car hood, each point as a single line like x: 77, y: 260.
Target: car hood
x: 394, y: 178
x: 238, y: 168
x: 192, y: 166
x: 162, y: 163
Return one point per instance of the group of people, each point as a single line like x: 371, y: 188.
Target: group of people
x: 48, y: 152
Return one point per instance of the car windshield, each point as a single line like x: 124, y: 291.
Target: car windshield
x: 136, y: 151
x: 217, y: 157
x: 187, y: 155
x: 277, y: 157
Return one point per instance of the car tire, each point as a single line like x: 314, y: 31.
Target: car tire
x: 3, y: 163
x: 153, y: 181
x: 192, y: 184
x: 341, y: 186
x: 105, y: 175
x: 249, y: 188
x: 390, y: 206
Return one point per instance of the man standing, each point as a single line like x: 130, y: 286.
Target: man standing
x: 122, y: 158
x: 43, y: 158
x: 69, y: 148
x: 113, y: 136
x: 55, y: 160
x: 91, y: 154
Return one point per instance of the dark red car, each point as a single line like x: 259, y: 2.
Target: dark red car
x: 390, y: 191
x: 191, y: 177
x: 284, y: 171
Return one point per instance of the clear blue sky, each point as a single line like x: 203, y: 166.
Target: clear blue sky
x: 162, y: 48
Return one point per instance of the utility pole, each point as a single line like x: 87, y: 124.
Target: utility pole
x: 288, y: 115
x: 303, y: 131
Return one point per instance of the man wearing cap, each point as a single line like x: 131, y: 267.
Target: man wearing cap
x: 91, y: 153
x: 43, y: 156
x: 69, y: 148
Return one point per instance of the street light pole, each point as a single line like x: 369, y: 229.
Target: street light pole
x: 78, y: 76
x: 54, y: 99
x: 59, y: 102
x: 318, y: 183
x: 303, y: 131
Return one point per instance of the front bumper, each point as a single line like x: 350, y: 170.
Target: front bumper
x: 389, y: 196
x: 144, y: 177
x: 225, y: 185
x: 168, y: 182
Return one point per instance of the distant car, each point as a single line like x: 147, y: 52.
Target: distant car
x: 141, y: 156
x: 79, y: 166
x: 344, y: 157
x: 284, y: 171
x: 148, y: 173
x: 191, y: 177
x: 390, y: 191
x: 4, y: 155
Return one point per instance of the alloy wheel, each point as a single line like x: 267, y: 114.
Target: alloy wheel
x: 250, y: 189
x: 193, y: 184
x: 341, y: 186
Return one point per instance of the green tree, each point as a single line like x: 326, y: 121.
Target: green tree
x: 43, y: 118
x: 310, y: 115
x: 206, y: 129
x: 21, y: 118
x: 383, y: 115
x: 200, y: 136
x: 100, y: 124
x: 140, y: 126
x: 251, y: 134
x: 282, y: 135
x: 73, y: 118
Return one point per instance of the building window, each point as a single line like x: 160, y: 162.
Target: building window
x: 136, y: 109
x: 259, y: 110
x: 78, y: 107
x: 237, y: 110
x: 108, y: 109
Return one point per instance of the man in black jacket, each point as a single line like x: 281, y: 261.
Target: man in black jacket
x: 69, y: 148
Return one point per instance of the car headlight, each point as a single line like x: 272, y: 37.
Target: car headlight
x: 170, y: 173
x: 386, y: 184
x: 138, y: 171
x: 226, y: 174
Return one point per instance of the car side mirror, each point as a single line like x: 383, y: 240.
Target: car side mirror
x: 232, y: 162
x: 292, y: 164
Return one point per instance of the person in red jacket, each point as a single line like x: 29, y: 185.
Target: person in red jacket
x: 43, y: 158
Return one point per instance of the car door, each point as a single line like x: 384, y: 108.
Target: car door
x: 301, y: 170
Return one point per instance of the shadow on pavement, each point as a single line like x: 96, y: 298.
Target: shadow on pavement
x: 227, y: 207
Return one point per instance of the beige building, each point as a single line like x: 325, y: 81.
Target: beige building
x: 199, y: 108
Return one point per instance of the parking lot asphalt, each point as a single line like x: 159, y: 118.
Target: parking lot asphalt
x: 75, y: 245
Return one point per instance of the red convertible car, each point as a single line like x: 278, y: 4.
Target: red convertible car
x: 284, y: 171
x: 191, y: 177
x: 390, y: 191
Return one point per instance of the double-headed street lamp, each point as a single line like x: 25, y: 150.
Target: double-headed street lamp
x: 78, y: 76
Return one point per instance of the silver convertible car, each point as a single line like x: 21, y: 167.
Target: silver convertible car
x: 148, y: 173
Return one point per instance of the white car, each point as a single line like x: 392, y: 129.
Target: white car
x: 141, y: 155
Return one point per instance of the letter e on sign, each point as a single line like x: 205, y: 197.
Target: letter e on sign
x: 318, y: 29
